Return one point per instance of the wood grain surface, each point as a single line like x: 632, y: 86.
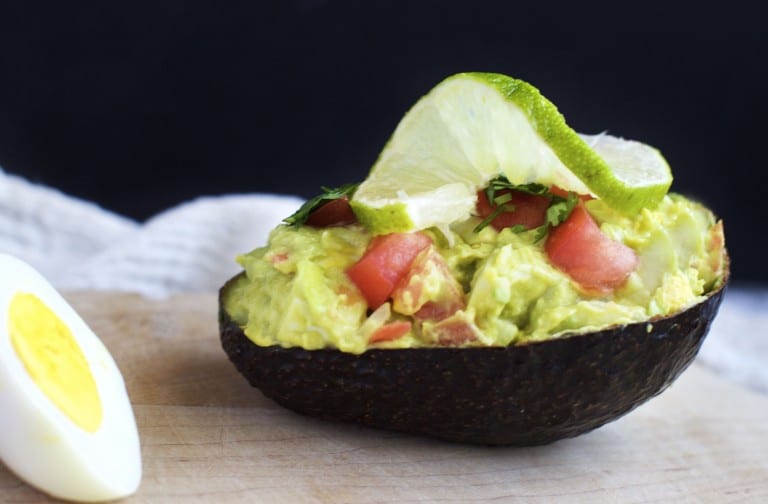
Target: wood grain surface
x: 207, y: 436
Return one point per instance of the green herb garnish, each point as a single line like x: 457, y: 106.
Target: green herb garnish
x: 558, y: 210
x: 329, y: 194
x: 502, y: 204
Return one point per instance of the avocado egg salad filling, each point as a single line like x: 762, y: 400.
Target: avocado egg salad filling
x: 486, y: 221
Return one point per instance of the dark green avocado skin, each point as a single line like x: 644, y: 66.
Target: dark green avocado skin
x: 521, y: 395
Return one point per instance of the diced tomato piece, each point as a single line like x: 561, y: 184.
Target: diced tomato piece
x: 580, y: 249
x: 716, y: 246
x: 557, y: 191
x: 385, y: 262
x: 390, y: 332
x: 529, y: 210
x: 453, y: 331
x: 336, y: 212
x: 439, y: 310
x: 410, y: 298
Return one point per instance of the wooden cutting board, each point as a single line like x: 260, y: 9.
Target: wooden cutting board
x: 207, y: 436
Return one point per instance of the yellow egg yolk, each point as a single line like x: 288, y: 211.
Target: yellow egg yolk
x: 54, y: 360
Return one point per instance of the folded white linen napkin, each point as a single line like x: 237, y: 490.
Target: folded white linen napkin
x: 192, y: 247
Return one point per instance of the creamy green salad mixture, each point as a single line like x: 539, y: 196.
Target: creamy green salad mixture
x: 295, y: 290
x: 528, y: 231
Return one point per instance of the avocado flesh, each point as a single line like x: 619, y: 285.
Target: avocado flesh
x: 526, y: 394
x: 296, y: 291
x: 550, y: 363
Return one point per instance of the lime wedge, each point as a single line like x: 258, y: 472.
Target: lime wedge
x: 473, y: 127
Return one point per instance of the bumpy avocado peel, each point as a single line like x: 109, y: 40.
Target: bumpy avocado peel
x: 521, y: 395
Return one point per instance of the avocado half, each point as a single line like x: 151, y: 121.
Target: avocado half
x: 528, y: 394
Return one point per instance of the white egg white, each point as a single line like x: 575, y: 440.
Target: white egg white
x: 38, y: 442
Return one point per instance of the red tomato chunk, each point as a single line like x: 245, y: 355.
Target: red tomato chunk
x: 390, y: 332
x: 385, y: 262
x: 580, y: 249
x: 336, y: 212
x: 409, y: 297
x: 529, y: 210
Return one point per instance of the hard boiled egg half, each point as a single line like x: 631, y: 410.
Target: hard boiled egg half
x: 66, y: 424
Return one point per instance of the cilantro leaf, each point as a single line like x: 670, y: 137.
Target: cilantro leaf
x: 561, y: 208
x: 558, y: 210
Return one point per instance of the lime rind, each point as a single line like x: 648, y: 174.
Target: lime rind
x: 620, y: 180
x: 473, y: 127
x: 451, y: 202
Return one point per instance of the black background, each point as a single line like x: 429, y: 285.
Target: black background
x: 141, y: 105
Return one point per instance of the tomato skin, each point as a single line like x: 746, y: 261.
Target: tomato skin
x: 385, y: 262
x: 390, y: 332
x: 580, y: 249
x: 530, y: 210
x: 335, y: 212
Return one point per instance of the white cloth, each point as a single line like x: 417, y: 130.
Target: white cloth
x: 77, y: 245
x: 192, y: 247
x: 737, y: 345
